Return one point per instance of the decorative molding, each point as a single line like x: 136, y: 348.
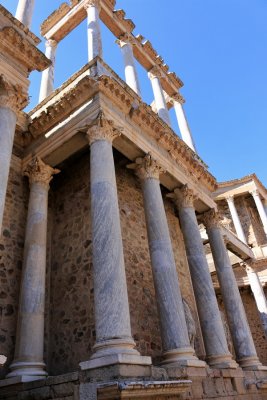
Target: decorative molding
x: 147, y: 167
x: 38, y: 171
x: 211, y: 219
x: 12, y: 96
x: 102, y: 129
x: 55, y: 17
x: 183, y: 197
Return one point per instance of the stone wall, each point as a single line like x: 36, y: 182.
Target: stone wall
x: 11, y: 255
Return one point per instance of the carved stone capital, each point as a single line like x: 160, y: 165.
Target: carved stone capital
x: 124, y: 39
x: 38, y: 171
x: 155, y: 72
x: 211, y: 219
x: 255, y: 193
x: 51, y: 43
x: 178, y: 98
x: 183, y: 197
x: 92, y: 3
x: 103, y: 129
x: 11, y: 96
x: 147, y: 167
x: 229, y: 199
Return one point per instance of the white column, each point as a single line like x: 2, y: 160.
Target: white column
x: 265, y: 206
x: 47, y: 82
x: 93, y: 29
x: 182, y: 122
x: 154, y: 75
x: 25, y: 11
x: 235, y: 218
x: 28, y: 360
x: 131, y: 76
x: 259, y: 295
x: 260, y: 208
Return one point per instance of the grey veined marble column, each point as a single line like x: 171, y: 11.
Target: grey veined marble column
x: 174, y: 334
x: 24, y: 12
x: 93, y: 29
x: 114, y: 342
x: 28, y: 361
x: 236, y: 316
x: 11, y: 101
x: 217, y: 352
x: 154, y: 75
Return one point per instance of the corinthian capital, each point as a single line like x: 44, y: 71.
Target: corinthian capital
x: 155, y: 72
x: 38, y: 171
x: 211, y: 219
x: 103, y: 129
x: 147, y: 167
x: 125, y: 39
x: 11, y: 96
x: 183, y: 197
x: 178, y: 98
x: 92, y: 3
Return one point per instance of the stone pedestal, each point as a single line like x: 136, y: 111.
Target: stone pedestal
x: 236, y: 316
x: 25, y: 11
x: 93, y: 29
x: 47, y: 82
x: 131, y: 76
x: 28, y: 361
x: 260, y: 208
x: 235, y: 218
x: 182, y: 122
x: 114, y: 342
x: 174, y: 334
x: 160, y: 102
x: 217, y: 352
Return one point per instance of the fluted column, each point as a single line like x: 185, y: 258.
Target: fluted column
x: 93, y: 29
x: 243, y: 342
x: 235, y: 218
x: 114, y: 342
x: 259, y: 295
x: 174, y: 334
x: 131, y: 77
x: 217, y: 352
x: 11, y: 101
x: 24, y: 12
x: 182, y: 122
x: 47, y: 82
x: 154, y: 75
x: 28, y: 361
x: 256, y: 196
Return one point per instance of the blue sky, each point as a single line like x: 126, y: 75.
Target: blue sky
x: 219, y: 50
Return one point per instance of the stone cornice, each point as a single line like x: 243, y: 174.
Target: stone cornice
x: 244, y: 179
x: 147, y: 167
x: 12, y: 96
x: 19, y: 48
x: 56, y: 16
x: 38, y: 171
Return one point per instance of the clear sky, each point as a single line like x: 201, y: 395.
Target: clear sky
x: 219, y: 50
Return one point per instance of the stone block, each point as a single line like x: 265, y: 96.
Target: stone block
x: 43, y: 393
x: 62, y: 390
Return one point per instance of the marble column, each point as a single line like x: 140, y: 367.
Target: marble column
x: 182, y: 122
x: 24, y: 12
x: 235, y: 218
x: 154, y: 75
x: 217, y: 352
x: 47, y: 82
x: 256, y: 196
x: 242, y: 339
x: 259, y: 295
x: 114, y: 342
x: 174, y: 334
x: 28, y: 360
x: 126, y: 44
x: 93, y: 29
x: 10, y: 102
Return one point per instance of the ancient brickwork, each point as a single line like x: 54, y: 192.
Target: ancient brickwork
x: 225, y: 212
x: 11, y: 256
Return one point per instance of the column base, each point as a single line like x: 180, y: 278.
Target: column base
x: 27, y: 371
x: 116, y: 351
x: 251, y: 363
x: 182, y: 357
x: 222, y: 361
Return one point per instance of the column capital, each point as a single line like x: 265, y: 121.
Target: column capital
x: 255, y: 193
x: 51, y: 43
x: 92, y: 3
x: 103, y: 129
x: 126, y: 38
x: 155, y: 72
x: 147, y: 167
x: 211, y: 219
x: 12, y: 96
x: 229, y: 198
x: 183, y: 197
x: 38, y: 171
x: 178, y: 98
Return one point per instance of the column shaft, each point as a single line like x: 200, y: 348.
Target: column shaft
x: 260, y: 209
x: 131, y: 76
x: 7, y: 130
x: 210, y: 319
x: 183, y: 125
x: 24, y: 12
x: 93, y: 30
x: 28, y: 361
x: 160, y: 102
x: 236, y: 220
x: 236, y: 316
x: 47, y: 82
